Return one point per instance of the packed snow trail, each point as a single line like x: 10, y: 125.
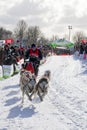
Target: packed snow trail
x: 69, y: 90
x: 65, y: 106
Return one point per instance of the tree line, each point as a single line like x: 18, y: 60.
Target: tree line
x: 23, y: 32
x: 32, y: 34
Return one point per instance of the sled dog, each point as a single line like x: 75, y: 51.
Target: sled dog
x: 27, y: 83
x: 41, y: 87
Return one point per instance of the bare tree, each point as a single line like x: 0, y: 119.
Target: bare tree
x: 43, y: 41
x: 33, y: 34
x: 5, y: 34
x: 1, y: 33
x: 78, y: 37
x: 54, y: 37
x: 20, y: 30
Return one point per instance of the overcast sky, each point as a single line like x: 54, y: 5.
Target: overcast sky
x: 52, y: 16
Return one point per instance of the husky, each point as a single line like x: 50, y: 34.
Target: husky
x: 41, y: 87
x: 27, y: 83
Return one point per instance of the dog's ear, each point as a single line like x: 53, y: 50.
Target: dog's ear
x: 47, y: 73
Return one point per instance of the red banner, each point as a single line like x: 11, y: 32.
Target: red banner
x: 9, y: 41
x: 84, y: 41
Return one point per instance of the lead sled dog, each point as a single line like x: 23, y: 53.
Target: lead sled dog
x: 27, y: 83
x: 41, y: 87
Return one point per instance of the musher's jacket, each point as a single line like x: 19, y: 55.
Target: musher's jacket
x: 37, y: 53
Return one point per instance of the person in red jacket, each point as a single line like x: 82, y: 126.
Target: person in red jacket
x: 34, y: 55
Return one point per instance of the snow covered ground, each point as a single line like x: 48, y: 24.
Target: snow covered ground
x: 65, y: 106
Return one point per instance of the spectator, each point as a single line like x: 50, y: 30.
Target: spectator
x: 81, y: 51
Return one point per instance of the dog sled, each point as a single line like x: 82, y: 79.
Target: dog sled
x: 31, y: 64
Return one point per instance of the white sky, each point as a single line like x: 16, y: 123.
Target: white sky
x: 63, y: 108
x: 52, y: 16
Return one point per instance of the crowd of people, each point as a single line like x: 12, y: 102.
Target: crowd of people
x: 10, y: 54
x: 32, y: 55
x: 81, y: 50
